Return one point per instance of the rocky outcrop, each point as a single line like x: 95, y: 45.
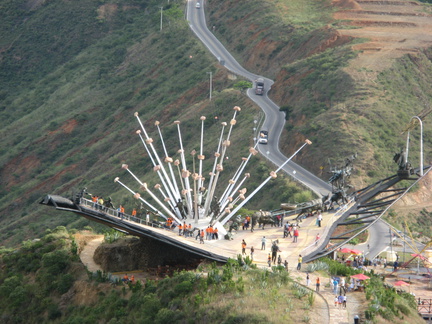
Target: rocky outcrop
x: 133, y: 253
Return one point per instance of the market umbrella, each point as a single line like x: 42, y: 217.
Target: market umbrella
x: 416, y: 255
x: 356, y: 252
x: 401, y: 283
x: 360, y: 276
x: 345, y: 250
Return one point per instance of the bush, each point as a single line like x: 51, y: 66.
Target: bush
x: 403, y: 308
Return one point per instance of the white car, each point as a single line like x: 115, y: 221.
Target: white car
x: 198, y: 5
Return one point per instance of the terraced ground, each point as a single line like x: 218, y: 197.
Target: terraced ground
x: 393, y: 28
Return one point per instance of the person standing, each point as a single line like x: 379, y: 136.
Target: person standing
x: 317, y: 239
x: 317, y: 284
x: 263, y: 243
x: 296, y: 235
x: 148, y: 218
x: 342, y: 285
x: 269, y: 260
x: 335, y: 285
x: 307, y: 279
x: 243, y: 245
x: 299, y: 262
x: 344, y: 301
x: 319, y: 219
x: 279, y: 260
x: 252, y: 250
x: 134, y: 212
x: 286, y: 265
x: 202, y: 237
x: 274, y: 250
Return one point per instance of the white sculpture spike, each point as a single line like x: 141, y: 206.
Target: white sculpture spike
x: 225, y: 145
x: 200, y: 182
x: 135, y: 194
x: 210, y: 187
x: 223, y: 205
x: 144, y: 186
x: 169, y: 164
x: 183, y: 161
x: 232, y: 213
x: 161, y: 177
x: 237, y: 175
x: 149, y: 141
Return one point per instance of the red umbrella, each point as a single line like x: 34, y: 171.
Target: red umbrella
x: 356, y: 252
x: 401, y: 283
x: 360, y: 276
x: 345, y: 250
x: 418, y: 256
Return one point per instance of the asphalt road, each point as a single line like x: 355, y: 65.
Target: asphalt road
x: 274, y: 122
x: 274, y: 119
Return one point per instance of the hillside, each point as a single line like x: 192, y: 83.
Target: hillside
x: 349, y: 74
x: 71, y: 78
x: 44, y: 281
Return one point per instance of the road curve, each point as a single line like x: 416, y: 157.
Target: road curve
x: 274, y: 118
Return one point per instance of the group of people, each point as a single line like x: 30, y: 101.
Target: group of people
x: 291, y: 230
x: 308, y: 281
x: 246, y: 223
x: 127, y: 280
x: 340, y: 301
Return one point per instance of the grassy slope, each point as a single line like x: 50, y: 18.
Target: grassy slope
x: 44, y: 281
x: 68, y: 99
x: 309, y: 60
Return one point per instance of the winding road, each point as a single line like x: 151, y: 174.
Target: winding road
x: 274, y: 118
x: 274, y: 121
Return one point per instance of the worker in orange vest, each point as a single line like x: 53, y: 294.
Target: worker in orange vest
x: 190, y: 229
x: 215, y: 234
x: 180, y: 229
x: 94, y: 199
x: 202, y: 237
x: 134, y: 212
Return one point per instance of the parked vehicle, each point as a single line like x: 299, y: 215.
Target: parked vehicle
x: 263, y: 137
x: 259, y: 86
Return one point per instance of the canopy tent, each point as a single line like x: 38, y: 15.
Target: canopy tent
x: 401, y: 283
x: 360, y: 276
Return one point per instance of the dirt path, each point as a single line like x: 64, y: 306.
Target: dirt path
x: 88, y: 251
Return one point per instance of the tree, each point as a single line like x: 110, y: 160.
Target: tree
x: 243, y: 85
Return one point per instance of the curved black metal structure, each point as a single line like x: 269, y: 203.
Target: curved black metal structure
x: 126, y: 224
x: 370, y: 204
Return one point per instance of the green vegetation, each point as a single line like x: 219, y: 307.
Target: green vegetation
x: 386, y: 302
x: 71, y: 77
x: 35, y: 276
x: 44, y: 282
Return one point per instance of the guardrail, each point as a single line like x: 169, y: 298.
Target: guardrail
x: 115, y: 213
x: 315, y: 245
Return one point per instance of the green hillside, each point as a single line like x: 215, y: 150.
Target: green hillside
x: 71, y: 78
x: 324, y: 97
x: 44, y: 281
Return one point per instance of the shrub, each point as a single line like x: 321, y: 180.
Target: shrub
x: 403, y: 308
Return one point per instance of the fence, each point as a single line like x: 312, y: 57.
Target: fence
x: 116, y: 213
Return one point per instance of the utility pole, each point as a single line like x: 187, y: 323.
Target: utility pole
x: 391, y: 243
x: 161, y: 8
x: 211, y: 81
x: 404, y: 238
